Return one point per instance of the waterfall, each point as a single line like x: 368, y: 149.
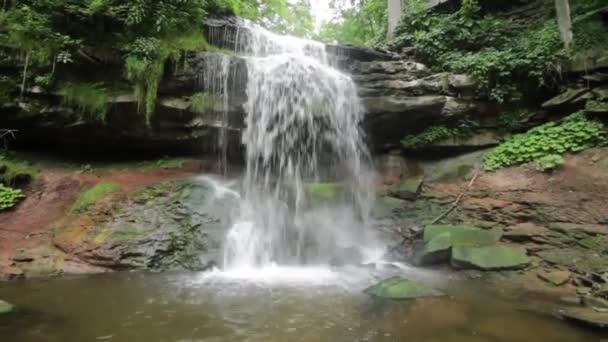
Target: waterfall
x: 214, y: 79
x: 302, y: 130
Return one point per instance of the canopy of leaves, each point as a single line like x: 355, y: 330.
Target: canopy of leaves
x: 357, y: 22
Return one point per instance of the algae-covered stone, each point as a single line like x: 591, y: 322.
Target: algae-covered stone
x: 437, y: 250
x: 326, y: 191
x: 6, y: 307
x: 401, y: 288
x: 439, y: 239
x: 463, y: 235
x: 408, y: 189
x: 490, y: 258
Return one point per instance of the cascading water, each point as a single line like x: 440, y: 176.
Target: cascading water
x: 214, y: 79
x: 302, y: 129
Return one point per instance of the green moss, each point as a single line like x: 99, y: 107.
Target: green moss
x: 322, y: 190
x: 9, y: 197
x: 89, y: 99
x: 571, y: 134
x: 92, y: 195
x: 199, y: 102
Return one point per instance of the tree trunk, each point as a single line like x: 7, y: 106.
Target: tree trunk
x: 564, y: 21
x: 395, y: 12
x: 25, y: 66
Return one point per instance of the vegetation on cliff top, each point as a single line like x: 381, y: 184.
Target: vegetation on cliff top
x: 39, y: 37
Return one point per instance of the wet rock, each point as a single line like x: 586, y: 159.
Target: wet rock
x: 464, y: 235
x: 490, y: 258
x: 586, y: 317
x: 565, y: 100
x: 437, y: 250
x: 556, y: 278
x: 170, y: 226
x: 595, y: 303
x: 576, y: 259
x: 439, y: 240
x: 6, y: 307
x: 401, y: 288
x: 408, y: 189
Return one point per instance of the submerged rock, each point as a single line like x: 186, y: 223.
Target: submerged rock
x: 6, y: 307
x: 556, y: 278
x: 586, y: 317
x: 490, y: 258
x: 401, y: 288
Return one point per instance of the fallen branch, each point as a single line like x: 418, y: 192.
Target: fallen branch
x: 455, y: 204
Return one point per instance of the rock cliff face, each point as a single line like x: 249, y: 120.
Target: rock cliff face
x: 400, y: 96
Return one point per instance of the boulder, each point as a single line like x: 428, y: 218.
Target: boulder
x: 440, y: 239
x: 170, y: 226
x: 566, y: 100
x: 490, y: 258
x: 401, y: 288
x: 408, y: 189
x: 6, y: 307
x: 464, y: 235
x: 437, y: 250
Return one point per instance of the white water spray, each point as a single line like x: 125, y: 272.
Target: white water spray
x: 302, y: 132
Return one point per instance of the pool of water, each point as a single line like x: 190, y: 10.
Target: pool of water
x: 277, y: 304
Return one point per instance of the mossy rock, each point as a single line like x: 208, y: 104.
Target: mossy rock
x: 408, y: 189
x: 323, y: 192
x: 437, y: 250
x: 464, y: 235
x: 439, y: 239
x: 6, y: 307
x: 401, y: 288
x: 490, y: 258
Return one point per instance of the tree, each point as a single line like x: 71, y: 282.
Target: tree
x: 357, y: 22
x: 395, y: 12
x: 564, y: 21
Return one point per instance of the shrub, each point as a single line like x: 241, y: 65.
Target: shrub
x: 9, y: 197
x: 92, y: 195
x: 571, y: 134
x: 438, y: 133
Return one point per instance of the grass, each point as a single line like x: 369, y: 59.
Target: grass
x: 89, y: 99
x: 15, y: 169
x: 93, y: 195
